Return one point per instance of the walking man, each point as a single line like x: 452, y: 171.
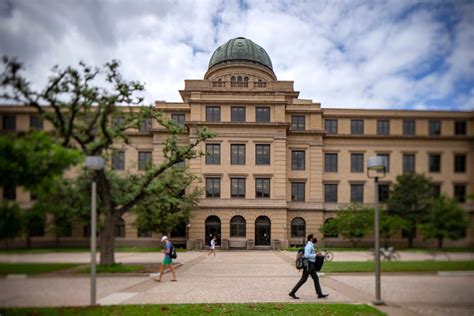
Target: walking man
x: 213, y: 247
x: 167, y: 262
x: 310, y: 255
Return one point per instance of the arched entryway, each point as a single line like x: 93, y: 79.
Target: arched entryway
x: 263, y: 227
x: 213, y: 228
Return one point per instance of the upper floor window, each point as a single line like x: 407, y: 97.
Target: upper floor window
x: 237, y: 187
x: 262, y: 188
x: 460, y: 192
x: 386, y: 158
x: 297, y: 160
x: 262, y: 154
x: 357, y: 127
x: 459, y: 163
x: 408, y: 163
x: 330, y: 162
x: 9, y: 122
x: 213, y: 113
x: 297, y: 191
x: 434, y: 161
x: 298, y: 122
x: 213, y: 187
x: 460, y: 128
x: 237, y: 154
x: 239, y: 81
x: 409, y: 127
x: 178, y: 118
x: 260, y: 84
x: 118, y: 121
x: 262, y: 114
x: 435, y: 127
x: 36, y: 122
x: 383, y: 127
x: 144, y: 160
x: 213, y: 154
x: 330, y: 126
x: 118, y: 160
x: 357, y: 193
x: 330, y: 193
x: 237, y: 114
x: 435, y: 190
x: 357, y: 162
x: 384, y: 191
x: 145, y: 125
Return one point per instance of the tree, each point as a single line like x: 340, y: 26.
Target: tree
x: 409, y: 199
x: 445, y: 219
x: 390, y: 225
x: 82, y: 113
x: 11, y: 223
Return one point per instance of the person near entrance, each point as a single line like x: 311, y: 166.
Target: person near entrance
x: 212, y: 245
x: 310, y: 253
x: 167, y: 261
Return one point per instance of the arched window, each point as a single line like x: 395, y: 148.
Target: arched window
x: 237, y: 227
x: 232, y: 79
x: 246, y: 78
x: 213, y: 228
x: 120, y: 228
x: 219, y: 79
x: 329, y: 235
x: 263, y: 228
x: 298, y: 228
x: 239, y: 78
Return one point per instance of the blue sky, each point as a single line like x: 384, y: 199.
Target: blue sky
x: 344, y: 54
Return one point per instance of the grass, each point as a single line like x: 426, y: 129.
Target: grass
x: 200, y: 309
x: 398, y: 249
x: 399, y: 266
x: 114, y: 268
x: 67, y: 250
x: 33, y: 268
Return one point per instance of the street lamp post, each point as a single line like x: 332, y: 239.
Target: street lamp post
x: 376, y: 163
x: 93, y: 163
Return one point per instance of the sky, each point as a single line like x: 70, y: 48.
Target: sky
x: 344, y: 54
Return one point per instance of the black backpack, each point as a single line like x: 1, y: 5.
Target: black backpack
x: 173, y: 254
x: 300, y: 259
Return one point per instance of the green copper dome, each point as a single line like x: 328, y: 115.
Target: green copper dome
x: 240, y: 48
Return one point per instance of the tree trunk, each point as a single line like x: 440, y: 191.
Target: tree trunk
x: 440, y: 242
x: 107, y: 239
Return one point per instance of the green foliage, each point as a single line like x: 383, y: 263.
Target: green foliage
x: 330, y: 228
x: 391, y: 225
x: 445, y: 219
x: 114, y: 268
x: 398, y: 266
x: 11, y: 223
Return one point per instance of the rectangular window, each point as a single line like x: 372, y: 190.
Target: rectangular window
x: 237, y: 154
x: 297, y: 160
x: 460, y: 193
x: 330, y: 126
x: 118, y: 121
x: 298, y: 122
x: 460, y: 128
x: 357, y: 193
x: 330, y: 162
x: 9, y: 122
x: 118, y: 160
x: 144, y: 160
x: 36, y: 122
x: 357, y: 162
x: 330, y: 193
x: 262, y: 154
x: 237, y: 187
x: 178, y: 118
x: 145, y: 125
x: 237, y: 114
x: 262, y: 188
x: 459, y: 163
x: 213, y: 187
x: 434, y: 127
x: 213, y: 113
x: 357, y: 127
x: 435, y: 190
x: 297, y: 191
x: 384, y: 190
x: 9, y: 193
x: 409, y: 127
x: 383, y: 127
x: 386, y: 158
x: 262, y: 114
x: 408, y: 163
x: 181, y: 164
x: 213, y: 154
x: 434, y: 161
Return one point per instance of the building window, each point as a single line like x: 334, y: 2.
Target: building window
x: 237, y: 187
x: 9, y: 122
x: 238, y: 227
x: 409, y: 127
x: 9, y: 193
x: 435, y: 127
x: 237, y: 154
x: 330, y: 162
x: 357, y: 162
x: 144, y: 160
x: 298, y: 228
x: 118, y: 160
x: 213, y: 187
x: 213, y: 113
x: 298, y: 122
x: 434, y: 161
x: 262, y: 114
x: 36, y: 122
x: 145, y: 125
x: 120, y: 228
x: 386, y: 158
x: 330, y: 193
x: 408, y: 163
x: 435, y: 190
x: 384, y: 190
x: 237, y: 114
x: 383, y: 127
x: 262, y: 188
x: 460, y: 128
x: 460, y: 193
x: 330, y: 126
x: 262, y: 154
x: 118, y: 122
x: 459, y: 163
x: 357, y: 193
x: 213, y: 154
x: 297, y: 160
x: 178, y: 118
x: 297, y: 191
x: 357, y: 127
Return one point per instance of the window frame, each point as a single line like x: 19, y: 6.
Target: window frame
x: 213, y: 190
x: 298, y: 162
x: 409, y: 127
x: 36, y: 122
x: 434, y: 127
x: 240, y: 187
x: 239, y: 229
x: 431, y: 160
x: 236, y: 112
x: 116, y: 164
x: 262, y: 110
x: 298, y: 189
x: 458, y: 130
x: 407, y: 163
x: 383, y: 127
x: 329, y: 164
x: 331, y: 126
x: 144, y: 164
x: 328, y: 190
x: 355, y: 127
x: 240, y: 158
x: 357, y: 197
x: 261, y: 186
x: 296, y: 231
x: 357, y: 165
x: 259, y: 154
x: 179, y: 119
x: 9, y: 122
x: 213, y: 113
x: 298, y: 122
x: 458, y: 166
x: 214, y: 158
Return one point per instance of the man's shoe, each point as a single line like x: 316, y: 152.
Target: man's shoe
x: 293, y: 296
x: 323, y: 295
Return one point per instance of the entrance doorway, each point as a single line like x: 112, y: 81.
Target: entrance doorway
x: 262, y: 231
x: 213, y: 228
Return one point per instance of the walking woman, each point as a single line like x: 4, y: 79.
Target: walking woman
x: 212, y: 246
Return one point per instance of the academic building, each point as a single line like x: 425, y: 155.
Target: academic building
x: 281, y: 166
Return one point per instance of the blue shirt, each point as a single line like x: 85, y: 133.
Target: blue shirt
x: 310, y: 252
x: 167, y: 249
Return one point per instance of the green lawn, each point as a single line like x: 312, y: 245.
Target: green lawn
x: 66, y: 250
x: 399, y: 266
x: 115, y: 268
x: 202, y: 309
x: 429, y: 250
x: 33, y: 268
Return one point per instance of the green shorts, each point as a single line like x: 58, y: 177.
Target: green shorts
x: 167, y: 261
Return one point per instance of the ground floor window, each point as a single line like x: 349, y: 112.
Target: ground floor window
x: 213, y: 228
x: 120, y: 228
x: 298, y: 228
x: 238, y: 227
x: 262, y: 231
